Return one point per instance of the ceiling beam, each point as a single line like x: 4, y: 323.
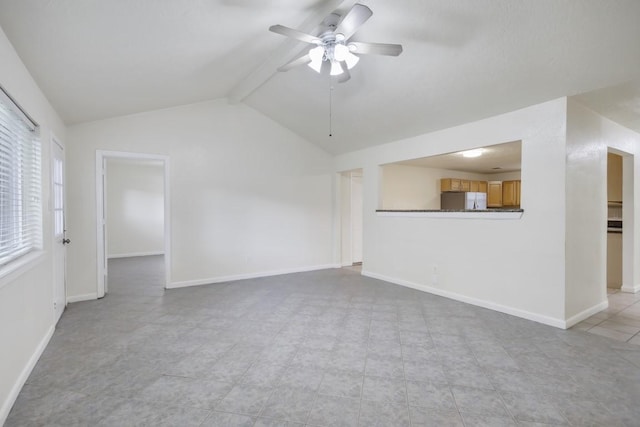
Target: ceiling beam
x: 284, y: 53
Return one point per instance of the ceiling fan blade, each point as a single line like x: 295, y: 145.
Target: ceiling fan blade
x: 357, y: 16
x: 363, y: 48
x: 303, y: 60
x: 346, y: 75
x: 298, y: 35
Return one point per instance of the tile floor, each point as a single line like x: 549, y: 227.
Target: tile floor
x: 621, y: 321
x: 323, y: 348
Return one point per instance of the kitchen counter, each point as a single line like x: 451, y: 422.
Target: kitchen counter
x: 453, y: 213
x: 450, y: 210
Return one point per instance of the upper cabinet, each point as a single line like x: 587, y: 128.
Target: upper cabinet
x: 494, y: 194
x: 479, y: 186
x: 511, y: 193
x: 450, y: 184
x: 456, y: 184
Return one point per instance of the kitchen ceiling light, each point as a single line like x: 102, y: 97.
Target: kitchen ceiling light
x: 472, y: 153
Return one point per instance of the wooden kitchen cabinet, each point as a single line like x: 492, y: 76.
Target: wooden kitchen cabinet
x: 494, y: 194
x: 511, y: 193
x: 457, y: 184
x: 479, y: 186
x: 451, y: 184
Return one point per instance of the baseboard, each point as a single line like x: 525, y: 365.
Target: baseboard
x: 546, y: 320
x: 134, y: 254
x: 85, y: 297
x: 573, y: 320
x: 24, y: 375
x: 630, y: 289
x: 232, y: 278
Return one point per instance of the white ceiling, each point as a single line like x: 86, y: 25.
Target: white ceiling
x: 620, y: 103
x: 497, y: 158
x: 463, y: 60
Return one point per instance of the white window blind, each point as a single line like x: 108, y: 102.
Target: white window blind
x: 20, y: 189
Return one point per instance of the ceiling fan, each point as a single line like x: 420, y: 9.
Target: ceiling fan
x: 333, y: 47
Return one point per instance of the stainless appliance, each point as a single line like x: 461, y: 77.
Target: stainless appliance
x: 463, y: 200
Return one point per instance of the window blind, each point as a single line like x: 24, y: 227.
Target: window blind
x: 20, y: 183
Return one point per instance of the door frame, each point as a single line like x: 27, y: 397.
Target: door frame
x: 53, y: 141
x: 343, y: 215
x: 353, y: 210
x: 101, y: 259
x: 629, y: 226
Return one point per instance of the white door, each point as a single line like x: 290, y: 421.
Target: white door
x: 59, y: 238
x: 356, y: 218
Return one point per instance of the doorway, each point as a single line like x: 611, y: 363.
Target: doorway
x: 618, y: 320
x: 620, y: 196
x: 58, y: 220
x: 614, y: 221
x: 351, y: 218
x: 133, y: 216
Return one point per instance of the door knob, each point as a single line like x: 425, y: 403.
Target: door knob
x: 66, y: 241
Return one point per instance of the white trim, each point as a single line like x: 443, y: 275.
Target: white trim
x: 54, y: 141
x: 134, y: 254
x: 210, y: 281
x: 19, y: 266
x: 574, y: 320
x: 630, y: 289
x: 546, y: 320
x: 24, y: 375
x: 100, y: 243
x: 84, y: 297
x: 455, y: 215
x: 101, y: 156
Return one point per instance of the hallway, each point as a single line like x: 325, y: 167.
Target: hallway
x: 621, y: 321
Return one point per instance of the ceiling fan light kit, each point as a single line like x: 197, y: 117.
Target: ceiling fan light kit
x: 333, y: 45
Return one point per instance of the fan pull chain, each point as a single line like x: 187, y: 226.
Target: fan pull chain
x: 330, y: 107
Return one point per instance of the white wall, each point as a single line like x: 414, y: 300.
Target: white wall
x: 504, y: 176
x: 248, y: 197
x: 588, y: 137
x: 516, y: 266
x: 135, y: 207
x: 415, y: 187
x: 26, y: 297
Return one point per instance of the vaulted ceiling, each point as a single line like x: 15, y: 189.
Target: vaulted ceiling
x: 463, y: 60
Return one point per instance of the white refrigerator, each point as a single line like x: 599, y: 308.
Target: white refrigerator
x: 463, y: 200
